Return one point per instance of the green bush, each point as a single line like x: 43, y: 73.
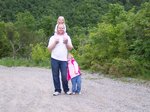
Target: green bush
x: 16, y: 62
x: 121, y: 67
x: 40, y: 55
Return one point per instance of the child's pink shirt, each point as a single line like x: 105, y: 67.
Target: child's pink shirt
x: 73, y: 69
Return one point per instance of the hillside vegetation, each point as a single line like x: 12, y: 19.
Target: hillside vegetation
x: 109, y: 36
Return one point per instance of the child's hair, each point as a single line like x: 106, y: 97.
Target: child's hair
x: 60, y: 17
x: 70, y: 55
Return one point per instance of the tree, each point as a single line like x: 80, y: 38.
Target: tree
x: 4, y: 43
x: 46, y: 23
x: 25, y: 20
x: 13, y: 38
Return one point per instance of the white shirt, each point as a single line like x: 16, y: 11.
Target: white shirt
x: 60, y: 51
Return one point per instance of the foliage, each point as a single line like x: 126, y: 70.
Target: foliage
x: 121, y: 67
x: 16, y: 62
x: 119, y: 45
x: 25, y: 20
x: 45, y: 23
x: 109, y: 36
x: 40, y: 54
x: 4, y: 43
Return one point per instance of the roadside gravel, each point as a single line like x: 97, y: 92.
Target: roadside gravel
x: 29, y: 89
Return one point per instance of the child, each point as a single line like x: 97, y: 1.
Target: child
x: 74, y: 74
x: 60, y: 20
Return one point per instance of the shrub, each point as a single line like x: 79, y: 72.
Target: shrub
x: 121, y: 67
x: 40, y: 54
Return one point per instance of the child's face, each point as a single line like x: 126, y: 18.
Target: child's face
x: 60, y: 20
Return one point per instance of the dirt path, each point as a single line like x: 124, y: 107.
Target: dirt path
x: 24, y: 89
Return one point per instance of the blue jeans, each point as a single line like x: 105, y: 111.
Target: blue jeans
x: 76, y: 84
x: 57, y: 67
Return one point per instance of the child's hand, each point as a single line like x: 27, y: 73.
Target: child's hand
x: 65, y: 40
x: 75, y: 72
x: 56, y: 40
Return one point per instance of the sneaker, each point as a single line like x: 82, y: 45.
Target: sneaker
x: 73, y: 93
x: 68, y: 93
x: 79, y: 93
x: 56, y: 93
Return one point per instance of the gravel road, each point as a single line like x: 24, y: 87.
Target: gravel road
x: 30, y: 89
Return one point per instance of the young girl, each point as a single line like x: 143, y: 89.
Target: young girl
x: 60, y: 20
x: 74, y: 74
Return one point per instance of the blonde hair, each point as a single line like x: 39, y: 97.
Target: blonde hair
x: 70, y: 55
x: 60, y: 17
